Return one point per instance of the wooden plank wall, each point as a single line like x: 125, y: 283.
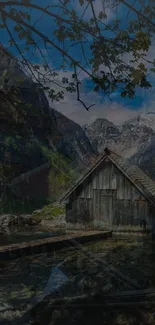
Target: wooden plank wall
x: 121, y: 203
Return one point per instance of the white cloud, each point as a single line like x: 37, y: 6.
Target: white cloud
x: 74, y: 110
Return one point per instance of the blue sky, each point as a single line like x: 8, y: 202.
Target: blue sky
x: 72, y: 109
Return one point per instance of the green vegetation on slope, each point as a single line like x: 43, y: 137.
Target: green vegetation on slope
x: 61, y: 175
x: 26, y: 130
x: 49, y: 212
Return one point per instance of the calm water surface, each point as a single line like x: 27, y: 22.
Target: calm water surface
x: 27, y: 277
x: 17, y: 235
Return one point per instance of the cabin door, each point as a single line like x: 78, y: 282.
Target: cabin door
x: 103, y: 206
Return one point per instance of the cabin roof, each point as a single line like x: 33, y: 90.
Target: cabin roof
x: 136, y: 176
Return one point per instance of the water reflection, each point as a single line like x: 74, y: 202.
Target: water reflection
x: 28, y: 280
x: 17, y: 235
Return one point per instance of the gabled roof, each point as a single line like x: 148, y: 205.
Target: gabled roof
x: 135, y: 175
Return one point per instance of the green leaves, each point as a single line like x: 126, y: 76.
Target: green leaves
x: 60, y: 33
x: 25, y: 15
x: 123, y: 35
x: 142, y: 41
x: 71, y: 87
x: 102, y: 15
x: 110, y: 54
x: 17, y: 28
x: 56, y: 95
x: 65, y: 80
x: 124, y: 94
x: 81, y: 2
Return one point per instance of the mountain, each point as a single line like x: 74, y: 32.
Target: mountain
x: 135, y: 134
x: 102, y: 133
x: 29, y: 124
x: 134, y: 139
x: 33, y: 134
x: 128, y: 138
x: 72, y: 141
x: 145, y: 157
x: 146, y: 119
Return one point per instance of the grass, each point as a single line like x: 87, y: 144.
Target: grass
x: 128, y: 228
x: 99, y: 225
x: 49, y: 212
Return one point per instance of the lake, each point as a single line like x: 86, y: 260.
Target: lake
x: 23, y: 279
x: 24, y: 234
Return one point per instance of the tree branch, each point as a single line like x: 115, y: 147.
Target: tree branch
x: 18, y: 48
x: 138, y: 13
x: 45, y: 38
x: 78, y: 92
x: 51, y: 14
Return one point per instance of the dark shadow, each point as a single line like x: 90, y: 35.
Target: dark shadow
x: 132, y: 256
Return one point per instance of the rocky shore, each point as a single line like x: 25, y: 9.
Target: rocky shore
x: 9, y: 220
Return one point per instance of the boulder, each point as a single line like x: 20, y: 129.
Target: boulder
x: 28, y: 219
x: 5, y: 307
x: 7, y: 220
x: 37, y: 212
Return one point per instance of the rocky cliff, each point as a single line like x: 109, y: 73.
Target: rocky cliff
x: 128, y: 138
x: 28, y: 123
x: 134, y: 139
x: 145, y: 157
x: 102, y: 133
x: 72, y: 140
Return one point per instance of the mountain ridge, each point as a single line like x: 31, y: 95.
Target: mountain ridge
x: 133, y: 139
x: 36, y: 124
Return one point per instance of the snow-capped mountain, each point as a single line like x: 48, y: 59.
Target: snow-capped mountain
x: 147, y: 120
x: 130, y: 136
x: 102, y: 133
x: 134, y: 139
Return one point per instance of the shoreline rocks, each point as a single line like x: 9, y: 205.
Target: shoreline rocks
x: 9, y: 220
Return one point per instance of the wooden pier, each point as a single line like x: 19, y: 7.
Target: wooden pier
x: 45, y: 245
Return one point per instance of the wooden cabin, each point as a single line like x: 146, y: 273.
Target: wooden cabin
x: 114, y: 192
